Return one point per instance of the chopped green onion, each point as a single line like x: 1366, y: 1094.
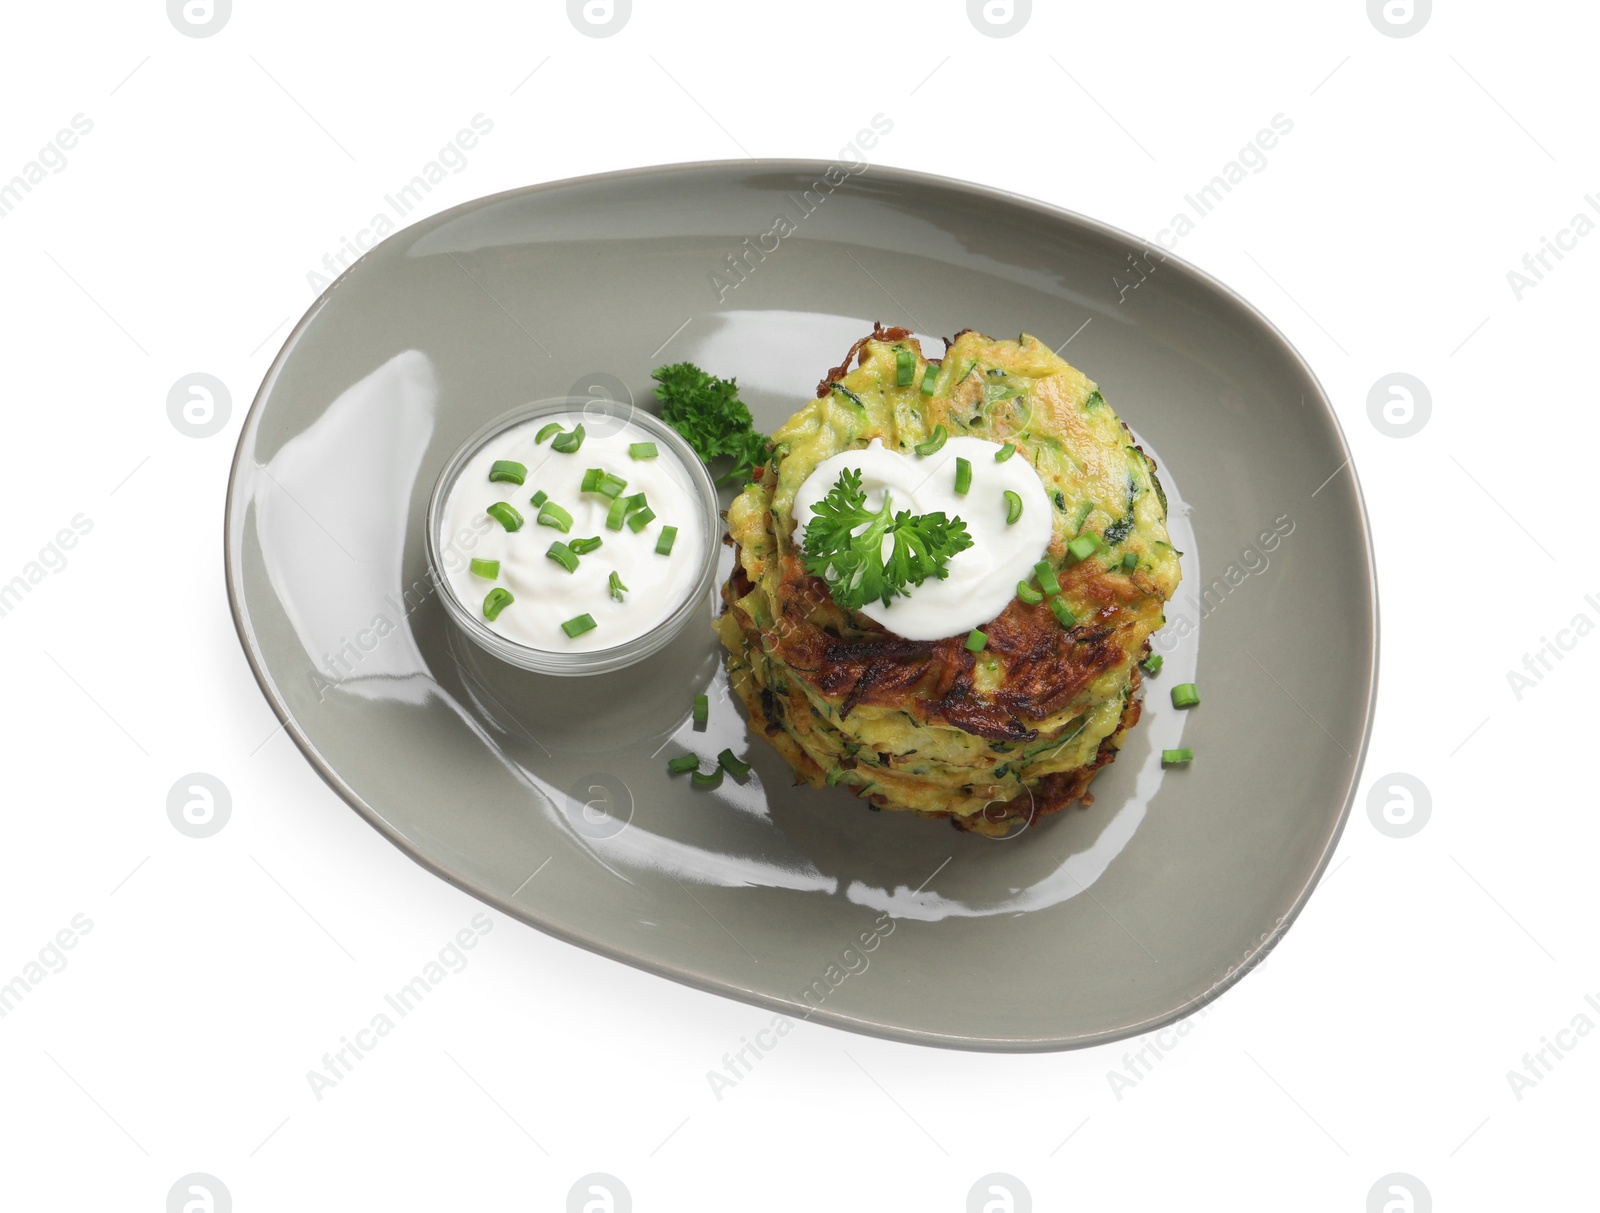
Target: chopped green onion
x: 569, y: 442
x: 976, y: 640
x: 683, y: 763
x: 485, y: 568
x: 1185, y: 695
x: 1130, y: 561
x: 643, y: 450
x: 1013, y: 506
x: 928, y: 376
x: 614, y: 584
x: 963, y: 475
x: 1064, y: 617
x: 633, y: 501
x: 563, y: 555
x: 642, y: 518
x: 1176, y: 758
x: 1047, y: 577
x: 579, y: 625
x: 702, y: 711
x: 508, y: 470
x: 732, y: 765
x: 1084, y: 546
x: 905, y: 368
x: 539, y: 498
x: 551, y: 514
x: 591, y: 480
x: 611, y: 486
x: 1152, y: 664
x: 584, y: 546
x: 1028, y: 594
x: 495, y: 601
x: 934, y: 442
x: 506, y: 515
x: 669, y: 536
x: 615, y: 515
x: 1005, y: 452
x: 546, y: 431
x: 707, y: 779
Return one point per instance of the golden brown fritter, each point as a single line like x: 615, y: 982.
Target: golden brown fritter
x: 991, y: 738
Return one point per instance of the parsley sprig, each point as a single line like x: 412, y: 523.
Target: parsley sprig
x: 713, y: 420
x: 853, y: 563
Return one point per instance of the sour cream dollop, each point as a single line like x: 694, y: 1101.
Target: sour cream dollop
x: 982, y: 579
x: 545, y: 594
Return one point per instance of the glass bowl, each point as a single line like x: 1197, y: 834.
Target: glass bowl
x: 599, y: 416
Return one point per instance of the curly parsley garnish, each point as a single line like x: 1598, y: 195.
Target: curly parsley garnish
x: 713, y: 420
x: 853, y: 564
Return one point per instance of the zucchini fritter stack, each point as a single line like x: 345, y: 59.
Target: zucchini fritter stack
x: 989, y: 739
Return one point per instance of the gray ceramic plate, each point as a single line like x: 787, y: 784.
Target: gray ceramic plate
x: 549, y: 799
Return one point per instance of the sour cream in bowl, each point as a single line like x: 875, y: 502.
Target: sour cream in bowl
x: 573, y: 536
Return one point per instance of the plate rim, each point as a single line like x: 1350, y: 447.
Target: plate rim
x: 829, y: 1016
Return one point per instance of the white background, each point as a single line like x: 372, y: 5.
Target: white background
x: 178, y: 238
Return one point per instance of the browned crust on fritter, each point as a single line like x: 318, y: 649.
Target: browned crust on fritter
x: 1060, y: 789
x: 879, y: 333
x: 882, y: 661
x: 1047, y: 667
